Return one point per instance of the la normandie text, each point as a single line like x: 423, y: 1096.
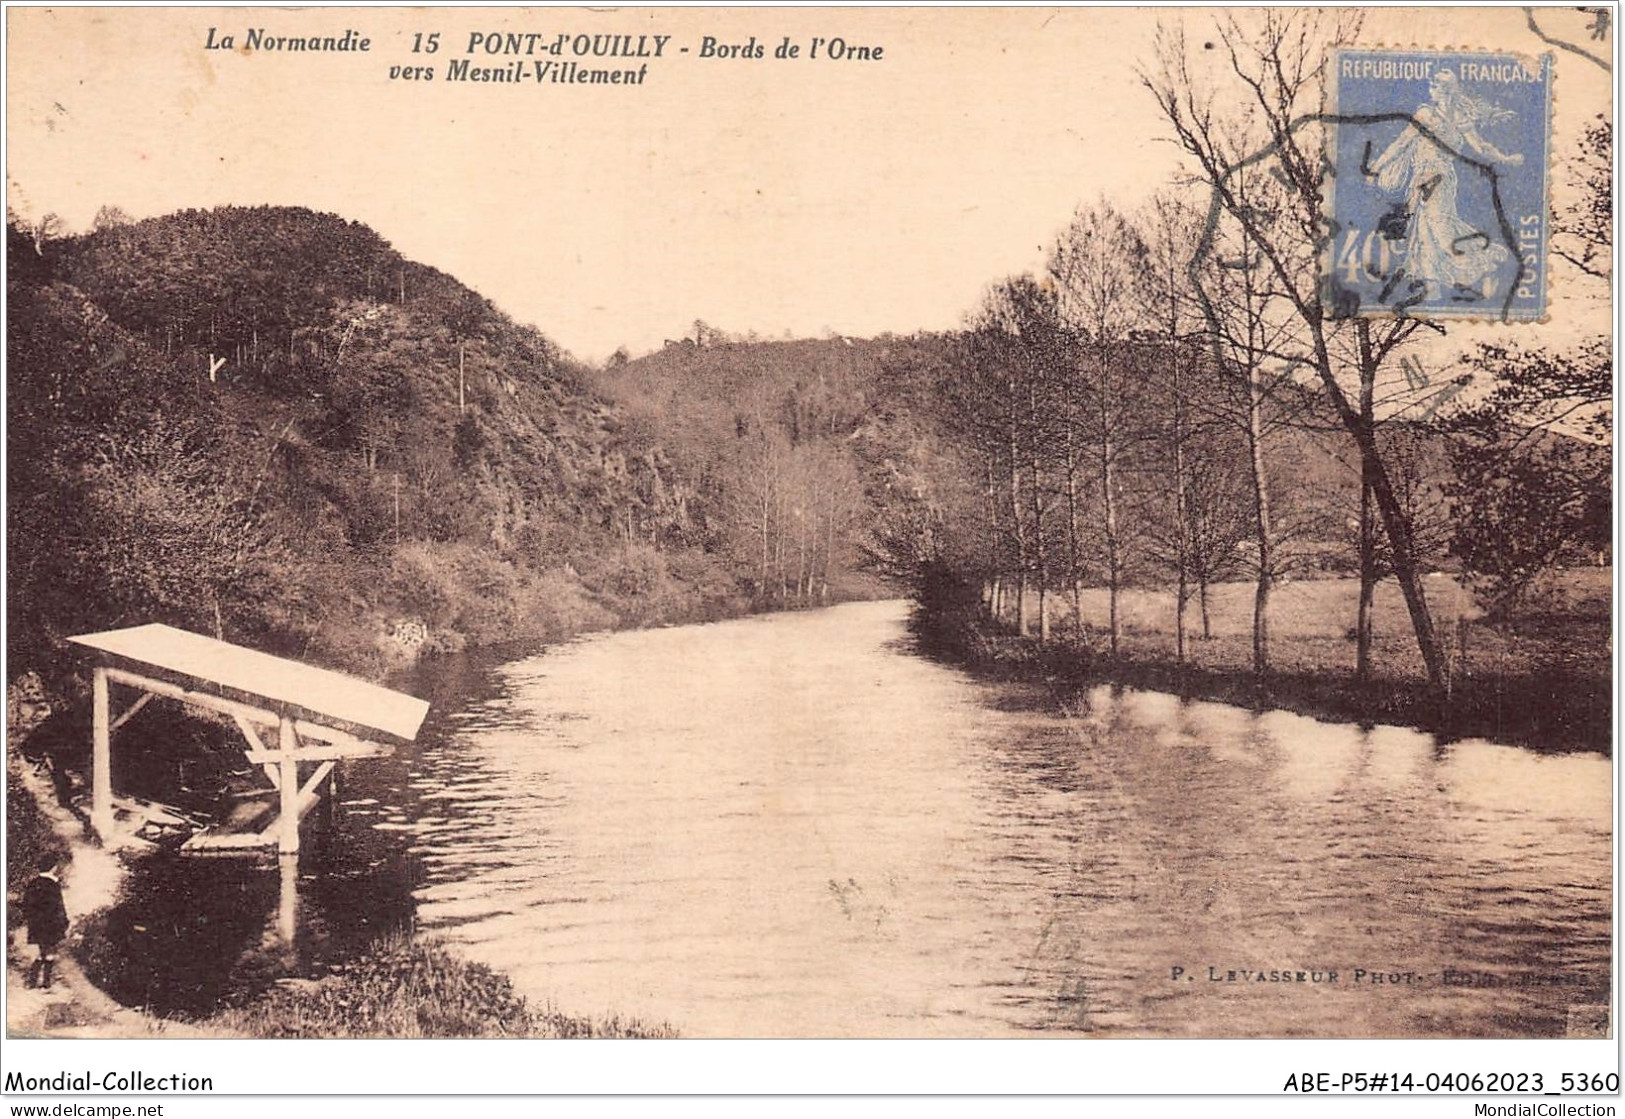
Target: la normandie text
x: 259, y: 39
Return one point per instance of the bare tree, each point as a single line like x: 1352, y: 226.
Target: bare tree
x: 973, y: 407
x: 1532, y: 458
x: 1267, y: 116
x: 1098, y: 267
x: 1170, y: 231
x: 1220, y: 513
x: 109, y: 217
x: 47, y: 228
x: 1020, y: 348
x: 1415, y: 467
x: 1585, y: 227
x: 993, y: 399
x: 1249, y: 322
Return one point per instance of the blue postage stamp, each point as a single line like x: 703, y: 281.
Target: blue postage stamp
x: 1438, y: 195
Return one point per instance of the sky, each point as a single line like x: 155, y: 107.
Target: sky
x: 796, y: 195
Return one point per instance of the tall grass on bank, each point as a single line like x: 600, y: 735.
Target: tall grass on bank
x: 31, y: 843
x: 403, y: 988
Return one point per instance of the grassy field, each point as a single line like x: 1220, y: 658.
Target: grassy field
x: 1540, y: 677
x: 1301, y: 608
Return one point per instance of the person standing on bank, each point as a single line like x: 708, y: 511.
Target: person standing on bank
x: 47, y: 920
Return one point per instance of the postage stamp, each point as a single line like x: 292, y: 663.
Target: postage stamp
x: 1439, y: 195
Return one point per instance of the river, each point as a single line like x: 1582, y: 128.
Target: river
x: 796, y: 826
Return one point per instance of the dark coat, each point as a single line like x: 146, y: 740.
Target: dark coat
x: 47, y: 917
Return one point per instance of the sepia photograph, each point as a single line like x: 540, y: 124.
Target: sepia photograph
x: 713, y: 525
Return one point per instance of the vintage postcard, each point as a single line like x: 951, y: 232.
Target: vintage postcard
x: 878, y: 525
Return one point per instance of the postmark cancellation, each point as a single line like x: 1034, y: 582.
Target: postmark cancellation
x: 1438, y: 198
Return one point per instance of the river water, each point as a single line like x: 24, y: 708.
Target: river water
x: 796, y: 826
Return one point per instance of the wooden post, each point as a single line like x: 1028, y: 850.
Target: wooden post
x: 287, y: 742
x: 287, y: 909
x: 101, y: 758
x: 330, y: 807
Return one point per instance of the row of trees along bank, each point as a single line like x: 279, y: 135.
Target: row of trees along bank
x: 1173, y: 401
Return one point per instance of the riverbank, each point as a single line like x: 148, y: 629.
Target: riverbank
x: 403, y: 987
x: 1541, y: 677
x: 398, y: 987
x: 40, y: 833
x: 365, y: 998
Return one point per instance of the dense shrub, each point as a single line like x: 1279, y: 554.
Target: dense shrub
x: 406, y: 988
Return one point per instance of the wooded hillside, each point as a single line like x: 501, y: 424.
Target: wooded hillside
x: 267, y: 425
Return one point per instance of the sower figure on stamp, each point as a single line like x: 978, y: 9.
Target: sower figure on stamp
x: 1443, y: 251
x: 47, y: 920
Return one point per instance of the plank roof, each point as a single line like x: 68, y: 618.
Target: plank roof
x: 234, y: 672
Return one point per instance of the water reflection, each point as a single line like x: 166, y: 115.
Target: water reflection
x: 793, y: 826
x: 789, y: 826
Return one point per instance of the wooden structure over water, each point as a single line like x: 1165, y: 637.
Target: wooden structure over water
x: 290, y: 714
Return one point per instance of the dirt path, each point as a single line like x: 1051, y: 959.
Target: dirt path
x: 73, y: 1007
